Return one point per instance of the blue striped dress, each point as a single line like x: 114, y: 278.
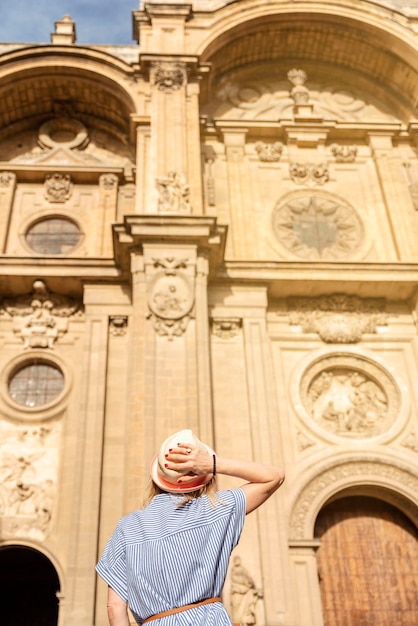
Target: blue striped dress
x: 165, y: 556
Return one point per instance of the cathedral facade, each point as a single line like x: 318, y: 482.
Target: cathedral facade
x: 215, y: 228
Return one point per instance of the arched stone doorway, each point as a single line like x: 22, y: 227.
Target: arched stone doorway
x: 29, y: 584
x: 367, y: 563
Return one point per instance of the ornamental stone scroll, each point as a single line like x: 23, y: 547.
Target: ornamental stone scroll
x: 338, y: 318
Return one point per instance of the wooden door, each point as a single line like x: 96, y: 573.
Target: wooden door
x: 367, y: 564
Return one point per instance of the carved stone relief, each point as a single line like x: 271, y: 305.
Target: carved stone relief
x: 41, y: 316
x: 244, y: 594
x: 303, y: 441
x: 28, y: 475
x: 309, y: 174
x: 64, y: 140
x: 350, y: 396
x: 315, y: 226
x: 168, y: 77
x: 269, y: 152
x: 332, y: 479
x: 58, y: 187
x: 344, y: 154
x: 7, y: 179
x: 262, y: 93
x: 411, y: 442
x: 226, y: 327
x: 170, y: 297
x: 210, y: 183
x: 338, y: 318
x: 173, y: 193
x: 109, y: 182
x: 118, y: 325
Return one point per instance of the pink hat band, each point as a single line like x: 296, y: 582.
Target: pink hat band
x: 167, y: 479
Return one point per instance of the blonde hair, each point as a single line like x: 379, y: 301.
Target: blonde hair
x: 208, y: 490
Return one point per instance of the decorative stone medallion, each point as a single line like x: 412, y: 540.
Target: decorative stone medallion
x: 350, y: 396
x: 317, y: 226
x: 170, y: 297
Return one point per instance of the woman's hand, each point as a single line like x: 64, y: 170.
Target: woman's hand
x: 190, y: 461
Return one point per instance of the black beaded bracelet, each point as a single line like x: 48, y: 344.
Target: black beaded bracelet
x: 214, y: 465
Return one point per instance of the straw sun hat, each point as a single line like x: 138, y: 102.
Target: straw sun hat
x: 166, y: 479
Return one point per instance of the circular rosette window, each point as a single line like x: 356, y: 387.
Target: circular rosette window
x: 34, y: 387
x: 317, y: 226
x: 170, y: 296
x: 350, y: 396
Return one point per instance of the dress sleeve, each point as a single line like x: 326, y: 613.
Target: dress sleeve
x: 112, y: 565
x: 236, y: 498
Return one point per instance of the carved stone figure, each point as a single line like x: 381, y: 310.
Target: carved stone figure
x: 299, y: 92
x: 244, y: 594
x: 173, y: 194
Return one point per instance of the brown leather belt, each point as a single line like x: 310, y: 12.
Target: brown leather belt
x: 180, y: 608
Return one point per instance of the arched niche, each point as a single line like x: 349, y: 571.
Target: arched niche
x: 30, y: 587
x: 390, y: 479
x: 84, y: 89
x: 336, y: 51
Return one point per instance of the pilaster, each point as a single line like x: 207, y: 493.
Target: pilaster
x: 240, y: 193
x: 174, y: 169
x: 7, y: 192
x: 306, y: 595
x: 388, y: 168
x: 170, y: 261
x: 88, y: 434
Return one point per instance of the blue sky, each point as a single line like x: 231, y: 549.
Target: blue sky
x: 97, y: 21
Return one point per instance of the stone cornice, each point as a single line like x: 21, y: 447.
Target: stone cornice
x: 200, y: 231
